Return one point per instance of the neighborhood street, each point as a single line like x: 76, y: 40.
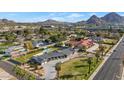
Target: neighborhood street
x: 7, y: 67
x: 5, y: 75
x: 112, y: 68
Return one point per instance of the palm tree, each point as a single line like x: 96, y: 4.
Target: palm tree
x: 89, y: 61
x: 97, y: 54
x: 101, y: 48
x: 123, y: 62
x: 58, y: 68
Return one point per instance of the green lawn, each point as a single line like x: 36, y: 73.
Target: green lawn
x: 25, y: 58
x: 107, y: 48
x: 110, y: 41
x: 77, y: 69
x: 4, y: 46
x: 53, y: 48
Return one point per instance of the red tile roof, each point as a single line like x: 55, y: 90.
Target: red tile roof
x: 83, y: 42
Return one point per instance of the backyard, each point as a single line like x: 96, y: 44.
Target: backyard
x: 25, y: 58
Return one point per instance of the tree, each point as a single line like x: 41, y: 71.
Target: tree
x: 58, y: 68
x: 89, y: 61
x: 59, y: 44
x: 10, y: 37
x: 31, y: 77
x: 97, y: 54
x: 82, y: 49
x: 102, y: 49
x: 26, y: 33
x: 42, y: 32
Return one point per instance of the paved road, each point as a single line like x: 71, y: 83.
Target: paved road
x: 5, y: 75
x: 113, y: 67
x: 8, y: 67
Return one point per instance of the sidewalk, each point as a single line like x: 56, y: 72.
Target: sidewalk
x: 105, y: 58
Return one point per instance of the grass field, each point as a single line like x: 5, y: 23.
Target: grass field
x: 107, y: 48
x: 77, y: 69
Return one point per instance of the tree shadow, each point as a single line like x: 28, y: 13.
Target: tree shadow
x: 81, y: 66
x: 66, y: 76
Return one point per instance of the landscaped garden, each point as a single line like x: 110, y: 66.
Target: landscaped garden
x: 78, y: 68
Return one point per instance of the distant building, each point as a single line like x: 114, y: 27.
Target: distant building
x: 40, y: 43
x: 15, y: 51
x: 55, y: 55
x: 48, y: 26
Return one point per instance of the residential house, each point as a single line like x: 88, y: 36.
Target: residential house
x: 52, y: 56
x: 15, y: 51
x: 83, y: 42
x: 41, y: 44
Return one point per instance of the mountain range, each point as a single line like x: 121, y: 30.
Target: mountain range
x: 110, y: 18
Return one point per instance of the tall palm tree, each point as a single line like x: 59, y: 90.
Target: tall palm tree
x: 123, y: 62
x: 97, y: 55
x: 101, y: 48
x: 58, y: 68
x: 89, y: 61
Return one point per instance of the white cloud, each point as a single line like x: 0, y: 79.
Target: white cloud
x: 58, y: 18
x: 75, y: 15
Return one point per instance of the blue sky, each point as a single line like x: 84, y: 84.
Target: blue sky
x: 42, y: 16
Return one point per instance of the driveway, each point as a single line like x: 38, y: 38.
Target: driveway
x: 49, y: 68
x: 93, y: 48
